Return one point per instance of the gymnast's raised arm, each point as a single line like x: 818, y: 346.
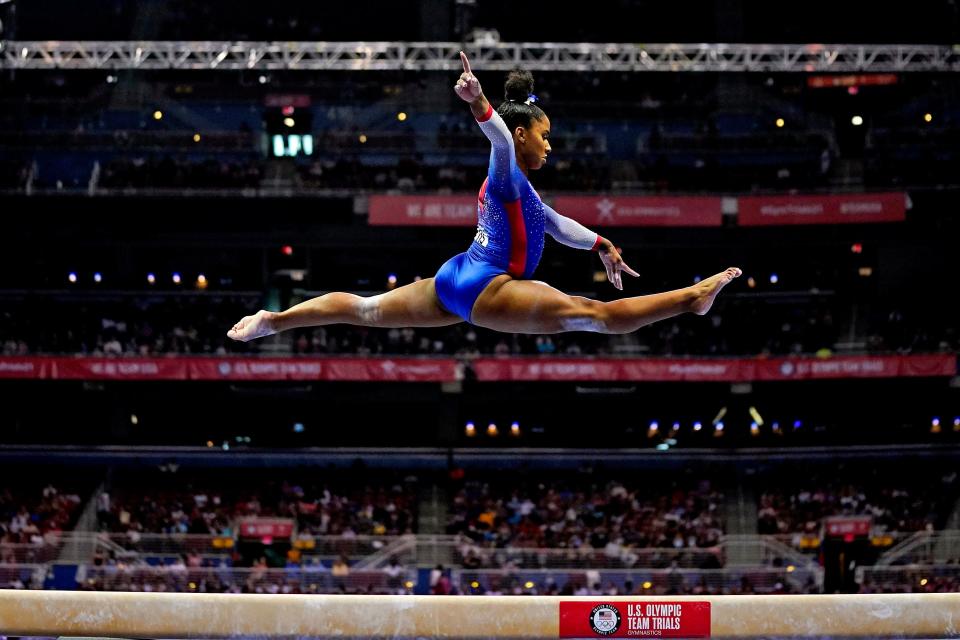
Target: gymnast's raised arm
x: 503, y: 155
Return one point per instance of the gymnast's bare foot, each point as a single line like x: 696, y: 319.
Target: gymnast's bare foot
x: 706, y: 291
x: 259, y: 325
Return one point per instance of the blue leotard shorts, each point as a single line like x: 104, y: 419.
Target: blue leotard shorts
x: 461, y: 280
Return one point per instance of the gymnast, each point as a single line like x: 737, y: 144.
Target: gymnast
x: 491, y: 284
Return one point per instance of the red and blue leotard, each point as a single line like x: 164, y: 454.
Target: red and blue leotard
x: 511, y: 223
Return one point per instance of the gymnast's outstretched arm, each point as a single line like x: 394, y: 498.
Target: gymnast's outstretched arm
x: 503, y: 157
x: 571, y: 233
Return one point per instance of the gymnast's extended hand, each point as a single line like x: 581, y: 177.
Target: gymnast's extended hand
x: 467, y: 87
x: 614, y: 264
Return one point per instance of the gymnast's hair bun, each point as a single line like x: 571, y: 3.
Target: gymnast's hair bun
x: 519, y: 85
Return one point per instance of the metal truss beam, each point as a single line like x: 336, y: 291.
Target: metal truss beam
x: 443, y: 56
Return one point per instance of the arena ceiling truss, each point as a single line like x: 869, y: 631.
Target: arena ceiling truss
x: 443, y: 56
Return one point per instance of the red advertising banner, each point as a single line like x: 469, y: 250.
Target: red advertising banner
x: 717, y: 370
x: 846, y: 526
x: 586, y: 369
x: 852, y: 80
x: 655, y: 211
x: 254, y: 369
x: 176, y: 368
x: 393, y: 370
x: 118, y: 369
x: 331, y: 369
x: 551, y: 369
x: 24, y: 368
x: 298, y: 100
x: 634, y: 619
x: 438, y: 211
x: 266, y: 527
x: 611, y: 211
x: 633, y: 211
x: 912, y: 366
x: 822, y: 209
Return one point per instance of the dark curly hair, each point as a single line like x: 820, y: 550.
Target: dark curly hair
x: 514, y: 109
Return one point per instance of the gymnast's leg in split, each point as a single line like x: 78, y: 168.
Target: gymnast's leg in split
x: 505, y: 304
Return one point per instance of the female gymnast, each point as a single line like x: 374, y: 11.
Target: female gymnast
x: 490, y: 284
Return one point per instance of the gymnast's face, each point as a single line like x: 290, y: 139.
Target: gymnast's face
x: 533, y: 143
